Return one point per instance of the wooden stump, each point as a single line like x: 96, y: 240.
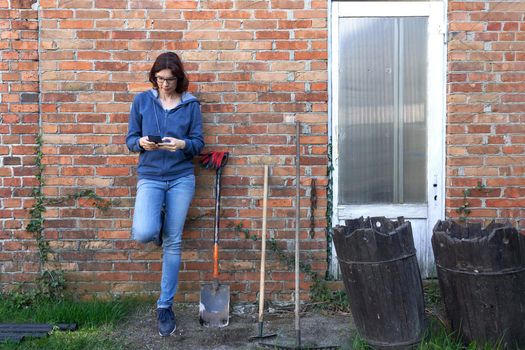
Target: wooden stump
x: 381, y: 276
x: 482, y: 279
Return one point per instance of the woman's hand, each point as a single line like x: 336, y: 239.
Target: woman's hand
x: 147, y: 145
x: 172, y: 144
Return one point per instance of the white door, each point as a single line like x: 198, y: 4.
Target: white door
x: 387, y: 114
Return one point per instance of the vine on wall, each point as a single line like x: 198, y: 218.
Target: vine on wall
x: 329, y: 209
x: 50, y: 285
x: 36, y: 223
x: 464, y: 209
x: 320, y: 293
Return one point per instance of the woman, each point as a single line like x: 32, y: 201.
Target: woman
x: 165, y: 127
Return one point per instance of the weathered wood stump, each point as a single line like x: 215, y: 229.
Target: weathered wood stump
x: 482, y: 279
x: 381, y: 277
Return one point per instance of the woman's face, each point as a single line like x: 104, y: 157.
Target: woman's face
x: 166, y: 81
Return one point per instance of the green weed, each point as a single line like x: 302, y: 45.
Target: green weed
x: 95, y: 320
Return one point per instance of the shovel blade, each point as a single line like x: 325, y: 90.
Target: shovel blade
x: 214, y: 308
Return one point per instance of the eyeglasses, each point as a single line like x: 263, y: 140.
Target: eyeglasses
x: 161, y: 80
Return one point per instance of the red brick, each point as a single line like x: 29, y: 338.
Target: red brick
x: 252, y: 87
x: 123, y: 45
x: 166, y: 35
x: 199, y: 15
x: 291, y: 45
x: 260, y: 24
x: 76, y: 65
x: 111, y: 4
x: 294, y: 24
x: 272, y: 35
x: 146, y: 4
x: 235, y: 14
x: 181, y: 4
x: 27, y: 45
x: 111, y: 66
x: 24, y: 25
x: 466, y: 6
x: 76, y: 24
x: 272, y: 55
x: 92, y: 35
x: 169, y: 25
x: 132, y: 35
x: 505, y: 203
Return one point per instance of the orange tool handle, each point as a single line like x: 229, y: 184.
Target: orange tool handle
x: 216, y: 260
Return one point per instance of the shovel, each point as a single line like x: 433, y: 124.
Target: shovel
x: 214, y: 308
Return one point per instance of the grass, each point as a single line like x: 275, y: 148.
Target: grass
x: 437, y: 337
x: 432, y: 293
x: 84, y: 339
x: 96, y: 319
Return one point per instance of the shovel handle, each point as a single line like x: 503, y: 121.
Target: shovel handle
x: 217, y: 219
x: 216, y: 261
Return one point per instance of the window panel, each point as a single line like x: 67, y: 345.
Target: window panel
x: 382, y: 104
x: 414, y: 148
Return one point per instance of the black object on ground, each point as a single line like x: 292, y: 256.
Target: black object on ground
x: 381, y: 277
x: 16, y: 332
x: 481, y: 275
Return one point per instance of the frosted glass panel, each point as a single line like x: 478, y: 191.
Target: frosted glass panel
x: 382, y: 103
x: 414, y: 110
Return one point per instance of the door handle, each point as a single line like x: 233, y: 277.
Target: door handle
x: 435, y: 188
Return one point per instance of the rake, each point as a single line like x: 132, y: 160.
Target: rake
x: 297, y: 345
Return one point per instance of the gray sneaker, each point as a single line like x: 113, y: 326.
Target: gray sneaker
x: 166, y: 322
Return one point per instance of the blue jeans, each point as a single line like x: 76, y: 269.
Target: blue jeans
x: 175, y: 196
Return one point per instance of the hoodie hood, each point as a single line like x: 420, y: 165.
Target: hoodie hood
x: 185, y: 98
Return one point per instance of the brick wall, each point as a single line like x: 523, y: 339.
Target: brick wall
x: 18, y: 130
x: 256, y: 66
x: 486, y: 109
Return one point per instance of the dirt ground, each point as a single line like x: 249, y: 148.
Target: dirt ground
x: 317, y: 329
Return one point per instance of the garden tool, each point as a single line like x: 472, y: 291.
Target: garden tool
x: 297, y: 230
x: 214, y: 305
x: 260, y: 335
x: 16, y: 332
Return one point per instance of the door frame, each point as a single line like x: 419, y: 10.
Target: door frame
x: 436, y: 118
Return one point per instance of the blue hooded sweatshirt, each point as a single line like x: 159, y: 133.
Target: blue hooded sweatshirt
x: 184, y: 122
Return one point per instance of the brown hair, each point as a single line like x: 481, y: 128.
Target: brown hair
x: 171, y: 61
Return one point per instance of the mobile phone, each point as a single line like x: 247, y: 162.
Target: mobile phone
x: 155, y: 138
